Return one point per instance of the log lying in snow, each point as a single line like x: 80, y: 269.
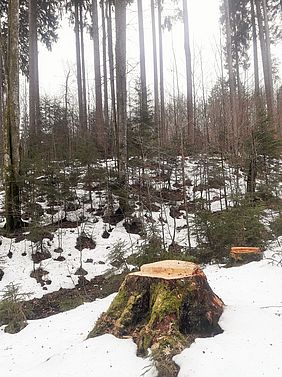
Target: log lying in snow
x: 163, y: 307
x: 246, y: 254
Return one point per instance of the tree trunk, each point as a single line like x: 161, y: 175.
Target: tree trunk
x: 163, y: 307
x: 34, y: 105
x: 120, y: 6
x: 269, y: 92
x: 266, y: 58
x: 1, y: 102
x: 98, y: 82
x: 252, y: 171
x: 155, y: 64
x: 232, y: 88
x: 112, y: 77
x: 105, y: 71
x: 11, y: 124
x: 279, y: 110
x: 162, y: 99
x: 143, y: 79
x: 78, y: 66
x: 83, y: 73
x: 189, y: 90
x: 255, y: 53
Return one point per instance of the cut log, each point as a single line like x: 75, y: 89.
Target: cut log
x: 163, y: 307
x: 245, y: 254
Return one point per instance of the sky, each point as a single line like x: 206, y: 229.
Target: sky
x: 204, y: 40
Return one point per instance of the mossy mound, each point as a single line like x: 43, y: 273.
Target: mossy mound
x: 164, y: 312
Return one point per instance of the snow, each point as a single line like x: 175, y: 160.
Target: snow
x: 57, y: 346
x: 250, y: 345
x: 62, y: 274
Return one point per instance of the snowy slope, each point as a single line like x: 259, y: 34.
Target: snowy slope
x: 56, y: 347
x: 251, y: 344
x: 62, y: 274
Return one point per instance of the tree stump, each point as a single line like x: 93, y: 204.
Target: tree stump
x: 245, y: 254
x: 163, y: 307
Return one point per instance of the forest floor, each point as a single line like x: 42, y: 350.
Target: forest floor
x: 85, y: 260
x: 250, y: 345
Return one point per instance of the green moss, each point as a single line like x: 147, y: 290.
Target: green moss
x: 144, y: 342
x: 69, y: 303
x: 103, y: 326
x: 151, y: 311
x: 127, y: 314
x: 165, y: 302
x: 118, y: 303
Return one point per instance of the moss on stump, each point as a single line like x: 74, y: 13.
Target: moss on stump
x: 163, y: 307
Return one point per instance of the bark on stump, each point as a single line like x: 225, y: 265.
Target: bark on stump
x: 164, y: 307
x: 240, y: 255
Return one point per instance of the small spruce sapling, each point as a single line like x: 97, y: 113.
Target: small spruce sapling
x: 11, y: 309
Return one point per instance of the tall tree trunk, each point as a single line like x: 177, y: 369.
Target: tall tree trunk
x: 255, y: 53
x: 98, y: 83
x: 162, y: 99
x: 120, y: 6
x: 268, y: 62
x: 189, y: 90
x: 279, y: 110
x: 143, y: 78
x: 66, y: 114
x: 232, y: 87
x: 112, y: 76
x: 266, y: 59
x: 11, y: 123
x: 1, y: 102
x: 252, y: 169
x: 78, y: 66
x: 83, y: 73
x: 105, y: 70
x: 34, y: 105
x: 155, y: 64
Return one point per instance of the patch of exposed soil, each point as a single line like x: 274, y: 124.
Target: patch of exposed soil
x: 60, y: 259
x: 171, y: 195
x: 19, y: 238
x: 134, y: 225
x: 114, y: 217
x: 84, y: 242
x: 175, y: 212
x: 67, y: 224
x: 81, y: 272
x: 38, y: 275
x: 65, y: 299
x: 39, y: 256
x: 105, y: 234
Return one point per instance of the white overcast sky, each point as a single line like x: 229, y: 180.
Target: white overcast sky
x: 204, y: 39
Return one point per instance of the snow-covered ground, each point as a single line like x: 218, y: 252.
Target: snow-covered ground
x: 61, y: 274
x: 250, y: 346
x: 56, y: 347
x: 18, y: 267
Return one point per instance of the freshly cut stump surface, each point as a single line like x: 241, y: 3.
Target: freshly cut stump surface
x: 169, y: 269
x: 246, y: 254
x: 164, y: 306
